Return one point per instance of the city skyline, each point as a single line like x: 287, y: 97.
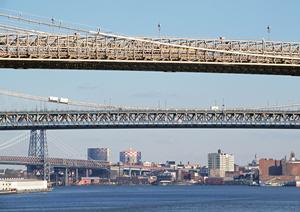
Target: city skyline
x: 166, y: 89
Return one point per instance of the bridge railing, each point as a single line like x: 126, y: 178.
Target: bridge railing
x: 99, y: 47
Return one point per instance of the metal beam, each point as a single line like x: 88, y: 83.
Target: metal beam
x: 120, y: 119
x: 160, y: 66
x: 101, y: 51
x: 53, y: 162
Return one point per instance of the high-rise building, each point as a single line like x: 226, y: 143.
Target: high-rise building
x: 98, y: 154
x: 130, y: 156
x: 219, y: 163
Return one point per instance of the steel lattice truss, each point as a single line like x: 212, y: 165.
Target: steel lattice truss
x: 53, y: 162
x: 150, y: 119
x: 26, y: 48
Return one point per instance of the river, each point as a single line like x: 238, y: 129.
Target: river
x: 156, y: 198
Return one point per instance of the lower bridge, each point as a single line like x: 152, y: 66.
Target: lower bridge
x: 53, y: 162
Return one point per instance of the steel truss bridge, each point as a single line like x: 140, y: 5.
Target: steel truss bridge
x: 272, y: 119
x: 53, y: 162
x: 76, y: 48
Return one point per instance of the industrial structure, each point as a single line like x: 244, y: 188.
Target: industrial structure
x: 70, y: 47
x: 278, y: 172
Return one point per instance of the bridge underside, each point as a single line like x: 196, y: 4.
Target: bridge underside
x: 154, y: 126
x: 124, y: 119
x: 163, y: 66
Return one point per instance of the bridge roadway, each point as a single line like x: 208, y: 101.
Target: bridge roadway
x: 22, y: 47
x: 110, y: 52
x: 138, y: 118
x: 74, y: 163
x: 53, y: 162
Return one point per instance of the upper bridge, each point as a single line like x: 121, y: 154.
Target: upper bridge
x: 131, y: 118
x: 75, y: 48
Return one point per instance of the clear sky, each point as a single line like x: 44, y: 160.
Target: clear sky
x: 231, y: 19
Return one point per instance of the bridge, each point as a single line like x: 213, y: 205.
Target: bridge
x: 53, y: 162
x: 22, y: 47
x: 159, y: 118
x: 62, y: 170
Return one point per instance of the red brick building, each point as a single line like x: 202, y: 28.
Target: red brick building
x: 268, y: 168
x: 292, y: 168
x: 280, y: 169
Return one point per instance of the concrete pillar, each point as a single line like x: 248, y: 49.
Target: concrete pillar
x: 130, y: 172
x: 76, y: 175
x: 87, y: 172
x: 56, y: 179
x: 66, y: 176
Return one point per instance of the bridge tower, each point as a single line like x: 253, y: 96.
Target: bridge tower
x: 38, y: 147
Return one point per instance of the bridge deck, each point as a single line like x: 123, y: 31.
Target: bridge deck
x: 150, y: 119
x: 53, y: 162
x: 70, y: 47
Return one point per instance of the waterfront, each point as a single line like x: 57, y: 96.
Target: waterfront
x: 156, y: 198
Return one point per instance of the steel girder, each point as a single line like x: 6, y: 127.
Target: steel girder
x: 60, y: 45
x: 112, y: 52
x: 53, y: 162
x: 47, y: 46
x: 150, y: 119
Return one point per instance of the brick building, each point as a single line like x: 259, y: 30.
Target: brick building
x: 268, y: 168
x: 286, y: 170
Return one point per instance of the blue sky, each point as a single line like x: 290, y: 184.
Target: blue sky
x: 199, y: 19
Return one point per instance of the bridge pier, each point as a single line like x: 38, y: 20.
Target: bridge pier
x: 87, y: 172
x: 66, y: 177
x: 130, y: 172
x: 76, y: 175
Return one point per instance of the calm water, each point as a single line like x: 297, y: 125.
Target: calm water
x: 155, y: 198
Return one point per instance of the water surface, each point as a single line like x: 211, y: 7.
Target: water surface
x: 157, y: 198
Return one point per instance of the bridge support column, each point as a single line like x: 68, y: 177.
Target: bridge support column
x: 66, y: 176
x: 38, y: 147
x: 76, y: 175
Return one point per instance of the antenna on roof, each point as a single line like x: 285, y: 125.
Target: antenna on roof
x: 159, y: 29
x: 269, y: 31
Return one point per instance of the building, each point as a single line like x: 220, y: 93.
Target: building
x: 292, y: 166
x: 268, y: 168
x: 130, y: 156
x: 102, y: 154
x: 282, y: 170
x: 219, y: 163
x: 21, y: 185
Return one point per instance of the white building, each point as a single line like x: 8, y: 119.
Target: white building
x: 219, y: 163
x: 22, y: 185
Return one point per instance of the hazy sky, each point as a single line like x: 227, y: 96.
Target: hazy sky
x: 232, y: 19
